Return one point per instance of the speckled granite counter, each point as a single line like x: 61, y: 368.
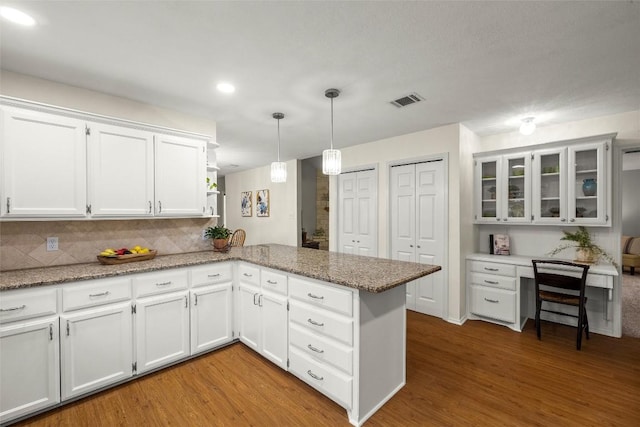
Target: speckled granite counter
x: 364, y: 273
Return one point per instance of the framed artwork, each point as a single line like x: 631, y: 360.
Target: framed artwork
x: 262, y: 203
x: 245, y: 203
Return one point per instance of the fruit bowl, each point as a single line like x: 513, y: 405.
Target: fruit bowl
x: 121, y: 259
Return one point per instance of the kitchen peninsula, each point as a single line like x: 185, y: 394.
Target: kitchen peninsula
x: 335, y: 321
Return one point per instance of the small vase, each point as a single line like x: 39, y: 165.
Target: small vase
x: 219, y: 244
x: 589, y: 187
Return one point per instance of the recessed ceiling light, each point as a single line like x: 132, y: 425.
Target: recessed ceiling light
x: 225, y: 87
x: 528, y: 126
x: 16, y: 16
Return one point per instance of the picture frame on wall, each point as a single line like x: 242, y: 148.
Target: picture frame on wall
x: 245, y: 203
x: 262, y: 203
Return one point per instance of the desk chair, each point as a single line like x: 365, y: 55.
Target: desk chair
x: 237, y: 238
x: 560, y: 288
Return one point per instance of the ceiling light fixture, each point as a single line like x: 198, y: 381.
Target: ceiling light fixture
x: 528, y: 126
x: 278, y: 169
x: 17, y: 16
x: 331, y: 159
x: 226, y: 87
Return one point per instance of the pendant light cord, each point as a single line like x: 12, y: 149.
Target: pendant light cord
x: 332, y: 123
x: 278, y: 140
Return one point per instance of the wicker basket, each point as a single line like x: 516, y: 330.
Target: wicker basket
x: 122, y: 259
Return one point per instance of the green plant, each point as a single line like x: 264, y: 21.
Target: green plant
x: 217, y: 232
x: 581, y: 239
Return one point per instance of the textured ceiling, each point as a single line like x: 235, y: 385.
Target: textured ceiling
x: 479, y: 63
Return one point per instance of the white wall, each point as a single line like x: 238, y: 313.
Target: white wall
x: 61, y: 95
x: 282, y: 224
x: 442, y: 140
x: 631, y: 203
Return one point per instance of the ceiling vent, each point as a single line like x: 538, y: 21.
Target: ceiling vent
x: 412, y: 98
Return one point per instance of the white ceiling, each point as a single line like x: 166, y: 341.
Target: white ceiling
x: 475, y: 62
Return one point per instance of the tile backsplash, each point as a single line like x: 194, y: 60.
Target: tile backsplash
x: 24, y: 244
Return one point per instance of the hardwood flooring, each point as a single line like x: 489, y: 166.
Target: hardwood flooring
x: 478, y: 374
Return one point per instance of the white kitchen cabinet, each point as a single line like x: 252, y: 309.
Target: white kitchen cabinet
x: 121, y: 182
x: 180, y: 180
x: 29, y: 367
x: 263, y: 312
x: 43, y: 165
x: 211, y: 317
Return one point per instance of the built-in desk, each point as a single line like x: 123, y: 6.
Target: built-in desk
x: 500, y: 290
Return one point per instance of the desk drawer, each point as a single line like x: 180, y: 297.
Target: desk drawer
x: 339, y: 300
x: 24, y: 304
x: 95, y: 292
x: 211, y: 274
x: 275, y: 282
x: 321, y: 349
x: 249, y: 274
x: 493, y: 268
x: 493, y: 281
x: 494, y: 303
x: 322, y: 321
x: 158, y: 283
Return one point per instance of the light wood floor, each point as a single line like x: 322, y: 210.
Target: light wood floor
x: 477, y: 374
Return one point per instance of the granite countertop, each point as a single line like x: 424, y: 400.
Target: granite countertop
x: 359, y: 272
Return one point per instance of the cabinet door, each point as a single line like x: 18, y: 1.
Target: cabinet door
x: 211, y: 314
x: 120, y: 171
x: 43, y: 165
x: 249, y: 316
x: 180, y: 176
x: 29, y: 368
x: 273, y: 327
x: 358, y: 213
x: 96, y: 348
x: 550, y: 186
x: 162, y: 330
x: 488, y: 204
x: 587, y: 184
x: 516, y: 173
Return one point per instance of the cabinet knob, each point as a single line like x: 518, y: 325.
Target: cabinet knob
x: 418, y: 246
x: 410, y: 246
x: 562, y: 219
x: 504, y: 219
x: 572, y: 220
x: 497, y: 219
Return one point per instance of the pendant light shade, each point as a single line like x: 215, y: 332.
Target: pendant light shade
x: 278, y: 169
x: 331, y: 158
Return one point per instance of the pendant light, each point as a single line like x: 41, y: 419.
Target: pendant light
x: 278, y: 169
x: 331, y: 159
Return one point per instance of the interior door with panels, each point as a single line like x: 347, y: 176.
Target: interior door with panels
x: 358, y: 207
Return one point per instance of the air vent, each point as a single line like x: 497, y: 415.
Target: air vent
x: 412, y: 98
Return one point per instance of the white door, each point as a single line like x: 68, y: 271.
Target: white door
x: 29, y: 368
x: 358, y: 213
x: 273, y: 327
x: 44, y: 165
x: 211, y: 314
x: 418, y: 232
x: 118, y: 157
x: 249, y: 316
x: 96, y: 348
x: 162, y: 330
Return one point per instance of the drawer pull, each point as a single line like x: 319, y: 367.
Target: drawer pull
x: 312, y: 348
x: 491, y: 269
x: 314, y: 376
x: 491, y: 282
x: 211, y: 276
x: 101, y: 294
x: 495, y: 301
x: 314, y: 323
x: 22, y: 307
x: 315, y: 296
x: 163, y: 283
x: 247, y: 274
x: 271, y: 282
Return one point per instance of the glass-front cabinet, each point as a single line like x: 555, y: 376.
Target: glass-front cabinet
x: 550, y: 186
x: 488, y: 187
x: 587, y: 184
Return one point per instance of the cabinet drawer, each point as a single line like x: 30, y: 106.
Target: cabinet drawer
x: 95, y: 292
x: 493, y: 281
x: 25, y: 304
x: 211, y: 274
x: 318, y: 294
x: 322, y: 321
x: 276, y: 282
x: 158, y: 283
x: 322, y: 349
x: 249, y: 274
x: 494, y: 303
x: 328, y: 381
x: 493, y: 268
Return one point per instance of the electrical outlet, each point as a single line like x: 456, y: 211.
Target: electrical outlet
x: 52, y: 244
x: 204, y: 236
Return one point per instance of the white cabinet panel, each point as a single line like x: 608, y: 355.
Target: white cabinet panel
x: 249, y: 316
x: 211, y: 317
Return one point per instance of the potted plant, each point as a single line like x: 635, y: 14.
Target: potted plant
x: 219, y: 234
x: 586, y: 250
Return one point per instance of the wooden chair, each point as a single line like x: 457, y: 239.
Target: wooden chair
x: 562, y: 288
x: 237, y: 238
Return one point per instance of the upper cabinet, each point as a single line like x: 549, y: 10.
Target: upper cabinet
x: 554, y: 184
x: 44, y: 170
x: 59, y: 163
